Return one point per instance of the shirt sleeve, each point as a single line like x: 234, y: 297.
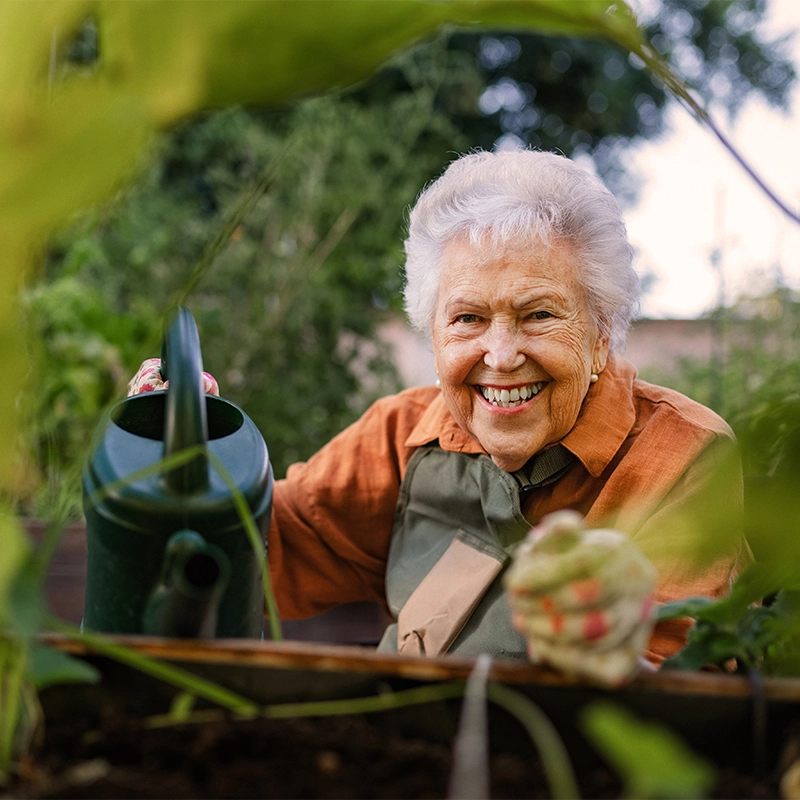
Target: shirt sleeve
x: 695, y: 538
x: 332, y: 516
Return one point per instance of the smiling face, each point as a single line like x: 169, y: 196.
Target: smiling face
x: 515, y: 346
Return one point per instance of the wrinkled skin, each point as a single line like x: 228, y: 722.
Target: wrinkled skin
x: 514, y: 319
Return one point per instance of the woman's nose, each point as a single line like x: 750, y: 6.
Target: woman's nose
x: 503, y: 350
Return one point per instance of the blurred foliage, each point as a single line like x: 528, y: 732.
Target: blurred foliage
x: 765, y: 638
x: 287, y: 314
x: 753, y: 378
x: 580, y: 96
x: 282, y: 230
x: 84, y: 366
x: 78, y: 104
x: 652, y: 760
x: 753, y: 381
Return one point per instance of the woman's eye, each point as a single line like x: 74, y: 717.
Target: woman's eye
x: 541, y: 315
x: 468, y: 319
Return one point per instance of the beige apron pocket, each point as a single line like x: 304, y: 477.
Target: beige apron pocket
x: 440, y: 606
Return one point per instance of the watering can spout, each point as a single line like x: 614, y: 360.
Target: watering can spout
x: 186, y: 601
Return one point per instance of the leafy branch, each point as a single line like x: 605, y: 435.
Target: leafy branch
x: 765, y: 638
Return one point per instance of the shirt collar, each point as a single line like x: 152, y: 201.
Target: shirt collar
x: 438, y: 423
x: 604, y: 422
x: 606, y: 417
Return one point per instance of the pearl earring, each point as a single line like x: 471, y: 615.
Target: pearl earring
x: 593, y: 377
x: 438, y: 384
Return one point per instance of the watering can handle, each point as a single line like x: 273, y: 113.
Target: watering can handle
x: 185, y: 422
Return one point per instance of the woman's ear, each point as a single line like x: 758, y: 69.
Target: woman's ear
x: 600, y: 353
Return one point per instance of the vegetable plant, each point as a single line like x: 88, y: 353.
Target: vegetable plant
x: 763, y: 637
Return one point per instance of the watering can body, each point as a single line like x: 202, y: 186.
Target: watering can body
x: 164, y: 490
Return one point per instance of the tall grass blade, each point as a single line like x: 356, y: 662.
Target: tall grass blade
x: 253, y: 534
x: 175, y: 676
x: 555, y: 759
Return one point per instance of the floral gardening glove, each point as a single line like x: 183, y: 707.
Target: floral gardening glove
x: 582, y: 598
x: 148, y: 379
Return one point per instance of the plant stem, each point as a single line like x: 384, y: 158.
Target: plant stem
x: 246, y: 517
x: 164, y: 465
x: 684, y: 95
x: 554, y: 756
x: 11, y: 675
x: 175, y: 676
x: 555, y: 759
x: 386, y: 701
x: 366, y: 705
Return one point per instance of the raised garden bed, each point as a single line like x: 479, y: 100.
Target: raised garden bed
x: 96, y: 745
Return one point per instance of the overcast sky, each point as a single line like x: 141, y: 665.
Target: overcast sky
x: 696, y: 199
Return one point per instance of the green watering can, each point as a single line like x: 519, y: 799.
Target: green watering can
x: 168, y: 553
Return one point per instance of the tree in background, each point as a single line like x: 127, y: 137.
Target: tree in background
x: 288, y: 295
x: 753, y: 381
x: 581, y: 96
x: 288, y: 311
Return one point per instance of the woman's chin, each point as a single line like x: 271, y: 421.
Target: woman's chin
x: 510, y: 462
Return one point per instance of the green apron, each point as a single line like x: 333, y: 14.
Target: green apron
x: 457, y: 523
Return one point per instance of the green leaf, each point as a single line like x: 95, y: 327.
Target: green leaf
x: 757, y: 581
x: 693, y: 607
x: 693, y: 656
x: 181, y: 706
x: 48, y: 666
x: 268, y: 53
x: 26, y: 604
x: 652, y: 760
x: 787, y: 605
x: 15, y: 549
x: 754, y: 629
x: 781, y: 637
x: 724, y: 645
x: 70, y: 124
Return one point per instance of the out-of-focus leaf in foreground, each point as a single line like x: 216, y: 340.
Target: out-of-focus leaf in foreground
x: 69, y: 138
x: 15, y: 551
x: 652, y: 761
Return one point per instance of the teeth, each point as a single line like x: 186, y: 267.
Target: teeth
x: 503, y: 398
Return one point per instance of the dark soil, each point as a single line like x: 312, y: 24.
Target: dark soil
x: 334, y: 757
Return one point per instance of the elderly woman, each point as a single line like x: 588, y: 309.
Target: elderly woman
x: 519, y: 268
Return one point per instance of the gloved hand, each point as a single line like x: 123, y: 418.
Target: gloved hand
x: 582, y: 598
x: 148, y: 379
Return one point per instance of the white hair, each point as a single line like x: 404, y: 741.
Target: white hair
x: 524, y: 197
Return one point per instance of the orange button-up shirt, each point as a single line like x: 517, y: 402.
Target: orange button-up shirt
x: 649, y: 461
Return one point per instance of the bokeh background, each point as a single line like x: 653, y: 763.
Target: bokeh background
x: 704, y: 231
x: 281, y: 227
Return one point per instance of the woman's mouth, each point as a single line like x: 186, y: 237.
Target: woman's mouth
x: 511, y: 398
